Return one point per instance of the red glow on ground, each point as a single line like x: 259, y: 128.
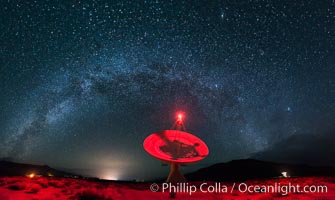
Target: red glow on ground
x: 175, y: 146
x: 41, y: 188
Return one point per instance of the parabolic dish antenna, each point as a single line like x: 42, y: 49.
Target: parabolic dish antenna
x: 176, y: 147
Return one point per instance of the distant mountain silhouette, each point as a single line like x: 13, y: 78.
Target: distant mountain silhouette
x: 8, y: 168
x: 248, y: 169
x: 235, y: 170
x: 314, y: 149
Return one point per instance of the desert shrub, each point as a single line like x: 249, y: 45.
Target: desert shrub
x: 16, y: 187
x: 77, y: 186
x: 66, y: 191
x: 12, y: 181
x: 56, y: 184
x: 43, y: 185
x: 33, y: 188
x: 43, y: 182
x: 91, y: 195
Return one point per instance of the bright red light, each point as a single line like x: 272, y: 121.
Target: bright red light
x: 180, y: 116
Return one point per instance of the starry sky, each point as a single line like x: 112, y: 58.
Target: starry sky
x: 84, y: 82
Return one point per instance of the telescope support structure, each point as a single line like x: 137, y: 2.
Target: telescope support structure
x: 175, y: 175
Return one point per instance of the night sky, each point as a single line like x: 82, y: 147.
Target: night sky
x: 83, y: 83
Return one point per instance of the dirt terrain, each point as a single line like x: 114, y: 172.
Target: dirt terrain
x: 38, y: 188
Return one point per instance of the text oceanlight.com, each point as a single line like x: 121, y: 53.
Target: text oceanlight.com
x: 218, y: 187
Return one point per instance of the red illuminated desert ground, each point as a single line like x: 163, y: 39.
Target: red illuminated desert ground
x: 26, y: 188
x: 237, y: 179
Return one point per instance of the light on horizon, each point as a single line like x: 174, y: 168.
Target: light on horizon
x: 111, y: 178
x: 110, y: 175
x: 32, y: 175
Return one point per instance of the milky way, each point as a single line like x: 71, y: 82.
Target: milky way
x: 83, y: 83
